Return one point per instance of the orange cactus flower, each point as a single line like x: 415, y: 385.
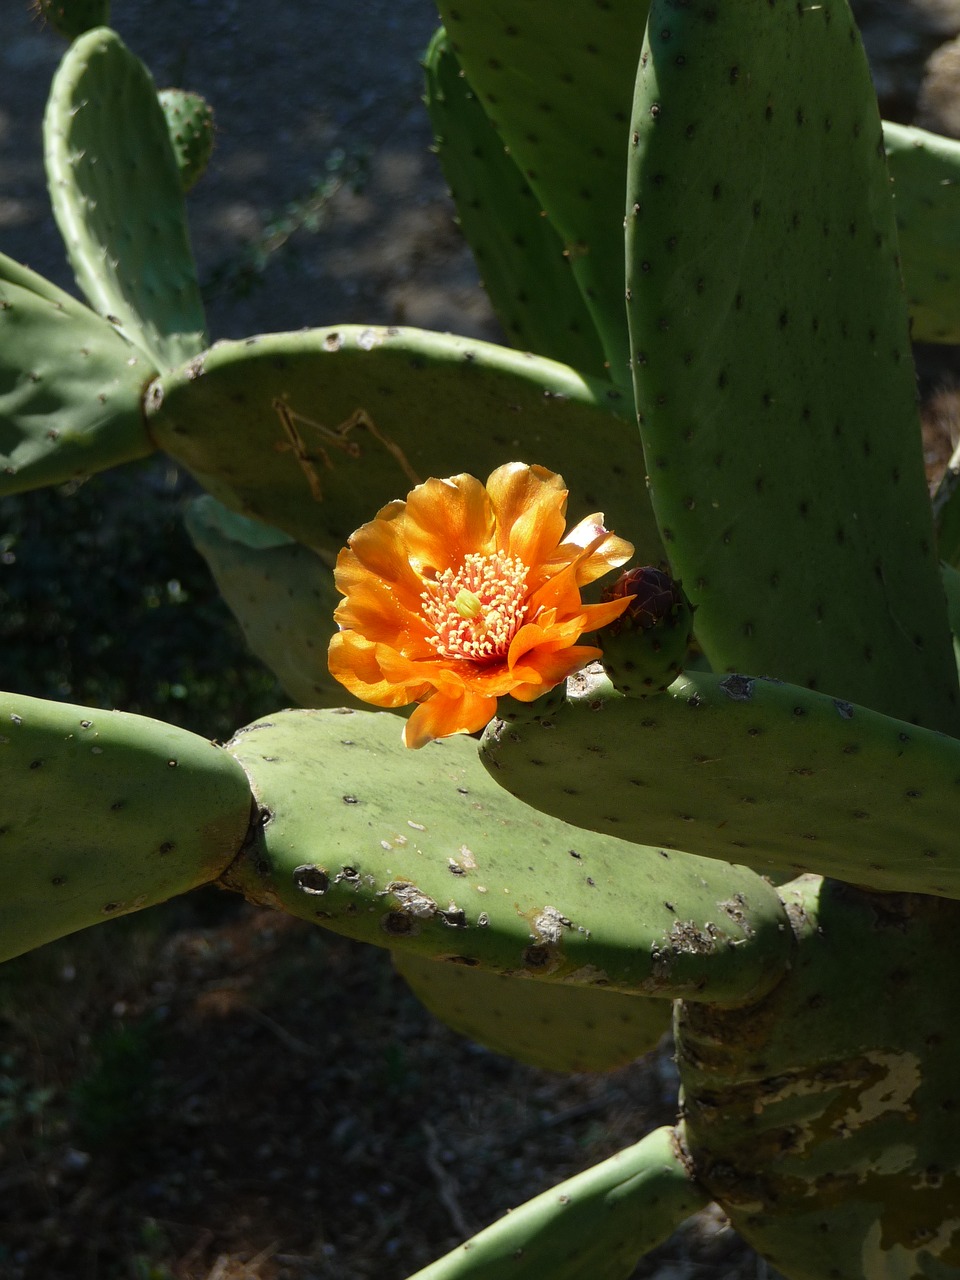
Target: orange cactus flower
x: 465, y: 593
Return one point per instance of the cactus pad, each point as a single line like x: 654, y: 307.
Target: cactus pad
x: 115, y: 190
x: 544, y: 1024
x: 312, y: 432
x: 525, y: 272
x: 772, y: 359
x: 779, y: 777
x: 70, y: 386
x: 190, y: 122
x: 106, y: 813
x: 559, y: 93
x: 421, y: 851
x: 281, y: 594
x: 826, y: 1120
x: 925, y: 169
x: 594, y: 1225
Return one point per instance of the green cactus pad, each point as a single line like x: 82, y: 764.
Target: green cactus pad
x: 115, y: 190
x: 925, y: 169
x: 544, y: 1024
x: 594, y: 1226
x: 314, y: 431
x: 190, y: 123
x: 105, y: 813
x: 70, y: 387
x: 525, y: 271
x: 281, y: 594
x: 71, y: 18
x: 421, y: 851
x: 826, y: 1119
x: 558, y: 90
x: 772, y: 359
x: 773, y: 775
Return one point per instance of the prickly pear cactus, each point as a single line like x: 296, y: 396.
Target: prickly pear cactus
x: 190, y: 122
x: 612, y: 852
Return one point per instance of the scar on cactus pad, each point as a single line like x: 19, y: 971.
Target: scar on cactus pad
x: 464, y: 593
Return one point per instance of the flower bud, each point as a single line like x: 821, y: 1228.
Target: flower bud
x: 643, y: 649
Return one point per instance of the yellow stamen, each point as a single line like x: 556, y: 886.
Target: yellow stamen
x: 476, y: 611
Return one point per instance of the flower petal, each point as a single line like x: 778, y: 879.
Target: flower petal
x: 446, y: 520
x: 358, y: 664
x: 530, y: 505
x: 440, y: 716
x: 554, y: 668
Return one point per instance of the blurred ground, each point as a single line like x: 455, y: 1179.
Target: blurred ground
x: 208, y: 1091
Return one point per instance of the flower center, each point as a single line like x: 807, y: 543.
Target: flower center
x: 476, y: 612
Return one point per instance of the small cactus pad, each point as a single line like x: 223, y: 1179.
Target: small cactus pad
x: 644, y: 648
x: 313, y: 432
x: 826, y: 1119
x: 71, y: 18
x: 925, y: 169
x: 772, y: 358
x: 544, y: 1024
x: 558, y: 90
x: 773, y: 775
x: 104, y: 813
x: 115, y: 190
x: 594, y: 1226
x: 190, y: 121
x: 422, y: 851
x: 70, y: 387
x: 525, y: 271
x: 281, y: 594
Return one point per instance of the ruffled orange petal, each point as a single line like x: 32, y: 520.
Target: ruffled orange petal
x: 533, y: 637
x: 380, y: 548
x: 530, y: 505
x: 377, y: 610
x: 608, y: 551
x: 357, y: 664
x: 552, y: 668
x: 445, y: 521
x: 440, y: 716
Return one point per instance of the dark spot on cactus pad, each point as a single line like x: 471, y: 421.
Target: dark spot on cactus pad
x: 536, y: 957
x: 172, y: 764
x: 399, y: 925
x: 57, y: 881
x: 350, y: 800
x: 168, y: 846
x: 737, y: 687
x: 36, y: 764
x: 734, y: 74
x: 108, y: 907
x: 311, y: 879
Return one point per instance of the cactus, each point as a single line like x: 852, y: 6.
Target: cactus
x: 116, y: 194
x: 611, y: 852
x: 190, y: 122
